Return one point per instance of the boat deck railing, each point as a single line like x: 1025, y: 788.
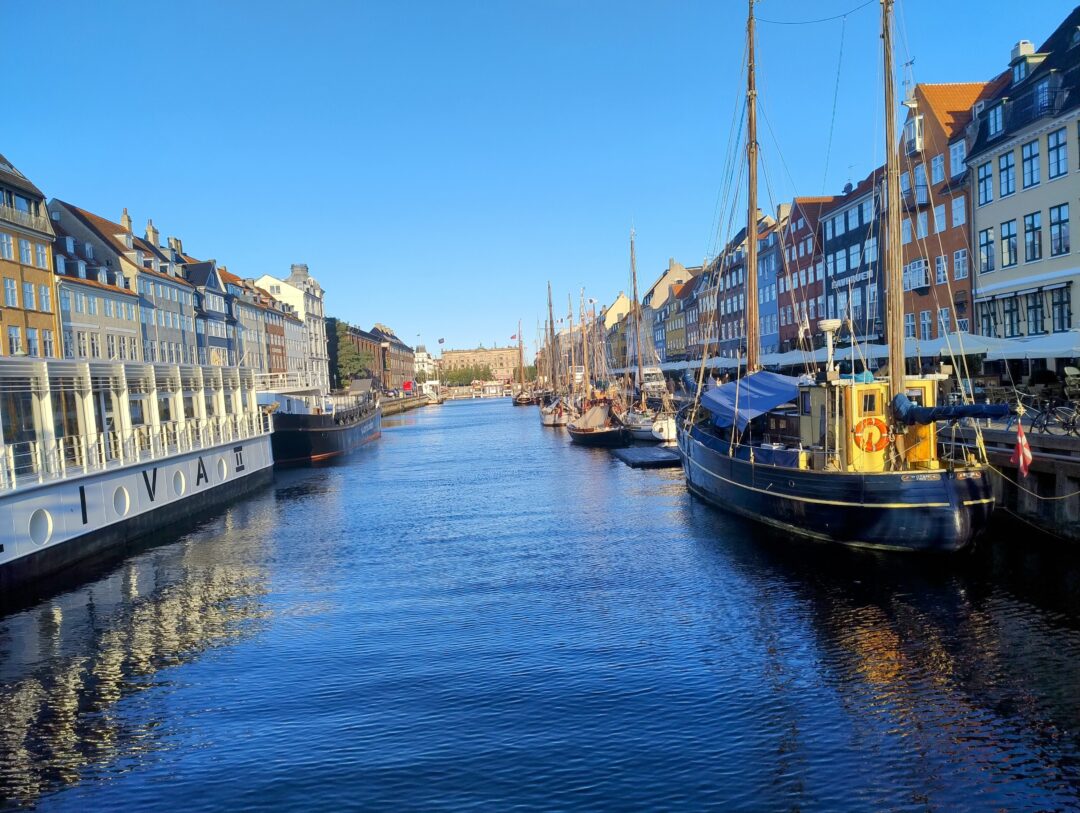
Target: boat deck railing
x: 35, y: 462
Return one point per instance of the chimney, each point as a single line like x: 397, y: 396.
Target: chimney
x: 1022, y: 49
x: 125, y: 221
x: 299, y: 270
x: 152, y: 234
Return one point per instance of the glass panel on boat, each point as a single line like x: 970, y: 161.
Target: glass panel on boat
x: 21, y: 418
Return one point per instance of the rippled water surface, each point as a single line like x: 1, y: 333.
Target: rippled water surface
x: 473, y: 614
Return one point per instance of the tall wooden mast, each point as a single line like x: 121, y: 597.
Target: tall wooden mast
x: 585, y: 347
x: 521, y: 359
x: 637, y: 320
x: 893, y: 276
x: 753, y: 332
x: 570, y: 374
x: 553, y: 366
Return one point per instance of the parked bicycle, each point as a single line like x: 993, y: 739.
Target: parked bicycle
x: 1052, y: 417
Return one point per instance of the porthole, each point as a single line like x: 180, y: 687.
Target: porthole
x: 41, y: 527
x: 179, y: 483
x: 121, y: 501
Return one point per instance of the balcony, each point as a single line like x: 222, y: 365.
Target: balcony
x: 1033, y: 106
x: 24, y: 219
x: 915, y: 196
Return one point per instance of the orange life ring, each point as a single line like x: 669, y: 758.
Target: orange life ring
x: 865, y: 441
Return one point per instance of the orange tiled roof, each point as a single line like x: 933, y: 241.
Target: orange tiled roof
x: 951, y: 102
x: 229, y: 276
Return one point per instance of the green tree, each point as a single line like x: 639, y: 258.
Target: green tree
x: 466, y: 375
x: 530, y: 373
x: 351, y: 362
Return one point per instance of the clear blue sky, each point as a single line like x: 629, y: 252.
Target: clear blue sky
x: 435, y: 163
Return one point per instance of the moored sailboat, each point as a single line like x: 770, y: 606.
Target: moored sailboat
x: 833, y: 458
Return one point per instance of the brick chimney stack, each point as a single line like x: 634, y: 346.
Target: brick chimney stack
x: 125, y: 221
x: 152, y: 234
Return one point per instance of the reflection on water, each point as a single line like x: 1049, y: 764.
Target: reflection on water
x: 473, y: 613
x: 66, y: 665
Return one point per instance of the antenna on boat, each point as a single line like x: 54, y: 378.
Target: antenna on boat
x: 829, y: 327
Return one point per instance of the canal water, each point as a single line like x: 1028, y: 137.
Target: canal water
x: 473, y: 614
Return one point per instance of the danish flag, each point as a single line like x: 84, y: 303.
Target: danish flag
x: 1022, y: 455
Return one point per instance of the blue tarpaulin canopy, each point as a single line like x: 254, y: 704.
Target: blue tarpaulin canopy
x: 739, y: 402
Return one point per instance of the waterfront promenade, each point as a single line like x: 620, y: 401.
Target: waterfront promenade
x: 473, y: 613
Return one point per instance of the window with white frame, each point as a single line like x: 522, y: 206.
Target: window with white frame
x: 943, y: 320
x: 939, y: 218
x: 921, y: 224
x: 996, y: 119
x: 937, y: 168
x: 941, y: 269
x: 957, y: 158
x: 960, y: 264
x: 909, y: 325
x: 959, y: 211
x: 925, y: 325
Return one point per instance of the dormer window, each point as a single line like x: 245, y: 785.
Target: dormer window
x: 1075, y: 40
x: 1019, y: 71
x: 89, y: 251
x: 913, y: 135
x: 69, y: 244
x: 996, y: 120
x: 82, y: 270
x: 61, y: 264
x: 102, y: 277
x: 128, y: 241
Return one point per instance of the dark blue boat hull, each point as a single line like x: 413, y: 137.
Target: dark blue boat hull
x: 905, y: 511
x: 305, y: 439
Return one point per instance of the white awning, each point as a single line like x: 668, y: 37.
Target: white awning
x: 1051, y: 346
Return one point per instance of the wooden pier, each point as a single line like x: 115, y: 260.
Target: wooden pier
x: 1049, y: 496
x: 648, y: 457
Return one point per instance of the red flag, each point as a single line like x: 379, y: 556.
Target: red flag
x: 1022, y: 456
x: 513, y: 337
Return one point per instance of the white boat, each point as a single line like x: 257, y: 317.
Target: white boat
x: 640, y: 423
x: 664, y: 429
x: 554, y: 414
x: 94, y: 455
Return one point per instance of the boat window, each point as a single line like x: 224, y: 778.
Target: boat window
x: 869, y: 403
x: 915, y: 396
x: 804, y: 402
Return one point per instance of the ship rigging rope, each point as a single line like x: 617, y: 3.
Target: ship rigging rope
x: 840, y: 16
x: 1004, y: 476
x: 835, y: 99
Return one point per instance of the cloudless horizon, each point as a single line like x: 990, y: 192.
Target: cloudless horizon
x: 436, y: 163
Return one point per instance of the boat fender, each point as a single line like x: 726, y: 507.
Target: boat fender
x: 865, y: 440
